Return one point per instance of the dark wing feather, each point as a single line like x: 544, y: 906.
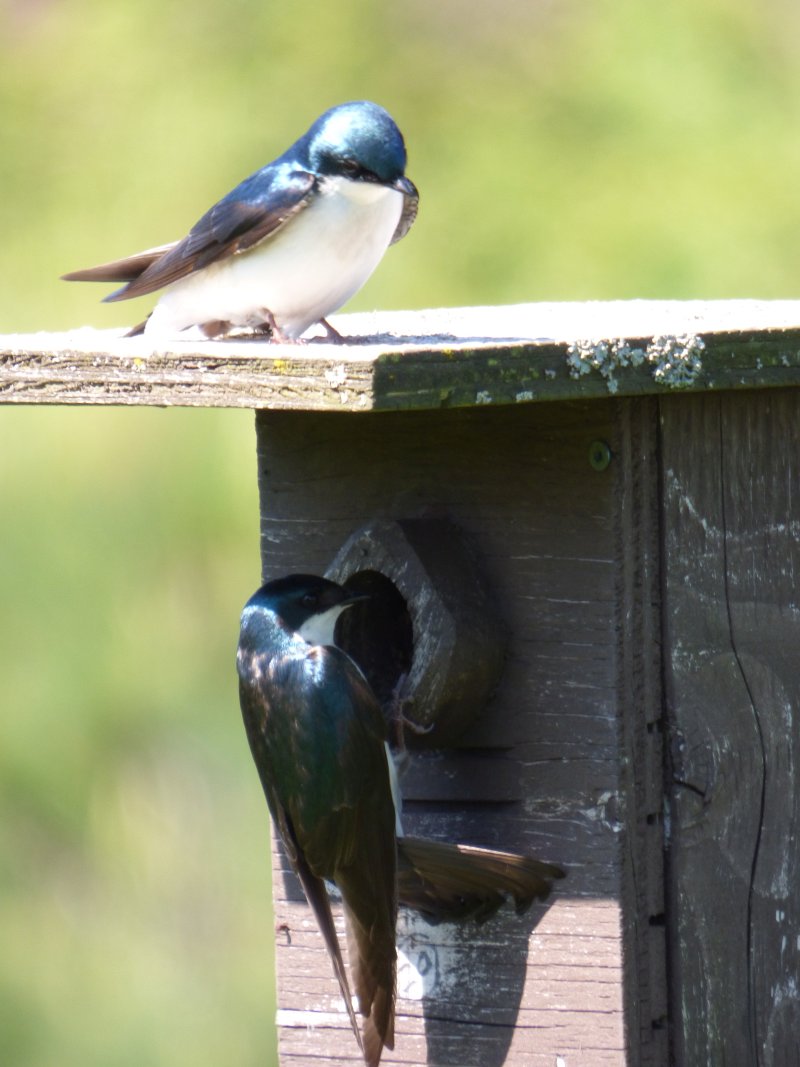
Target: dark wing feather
x: 266, y: 712
x: 317, y: 896
x: 256, y: 209
x: 350, y: 838
x: 451, y: 882
x: 120, y: 270
x: 317, y: 736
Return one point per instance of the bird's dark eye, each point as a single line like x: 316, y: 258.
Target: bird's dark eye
x: 350, y: 168
x: 309, y: 600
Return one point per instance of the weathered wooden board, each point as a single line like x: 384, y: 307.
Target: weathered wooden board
x: 731, y: 471
x: 521, y: 483
x: 639, y: 669
x: 452, y: 357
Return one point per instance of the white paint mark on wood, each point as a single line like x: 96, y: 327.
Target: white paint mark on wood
x: 425, y: 966
x: 604, y: 811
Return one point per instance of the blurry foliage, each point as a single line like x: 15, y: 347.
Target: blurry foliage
x: 134, y: 918
x: 569, y: 150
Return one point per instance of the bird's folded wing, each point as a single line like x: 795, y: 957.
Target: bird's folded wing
x: 254, y: 210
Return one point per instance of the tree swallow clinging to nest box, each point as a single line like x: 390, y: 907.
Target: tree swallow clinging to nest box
x: 319, y: 740
x: 290, y: 244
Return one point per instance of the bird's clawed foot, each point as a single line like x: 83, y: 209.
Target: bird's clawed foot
x: 263, y: 323
x: 270, y: 326
x: 331, y: 333
x: 399, y: 722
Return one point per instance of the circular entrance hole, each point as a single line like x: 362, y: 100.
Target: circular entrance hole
x: 377, y: 632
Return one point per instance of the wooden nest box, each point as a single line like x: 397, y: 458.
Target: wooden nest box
x: 581, y: 526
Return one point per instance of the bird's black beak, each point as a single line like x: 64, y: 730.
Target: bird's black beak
x: 405, y: 186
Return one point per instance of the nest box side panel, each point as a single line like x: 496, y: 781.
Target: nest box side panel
x: 731, y: 472
x: 539, y: 771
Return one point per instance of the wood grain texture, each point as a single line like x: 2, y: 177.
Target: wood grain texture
x: 520, y: 483
x: 457, y: 357
x: 731, y: 466
x: 638, y: 605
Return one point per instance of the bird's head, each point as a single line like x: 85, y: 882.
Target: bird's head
x: 361, y: 142
x: 306, y: 604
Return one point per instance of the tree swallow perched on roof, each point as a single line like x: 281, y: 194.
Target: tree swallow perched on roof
x: 290, y: 244
x: 319, y: 740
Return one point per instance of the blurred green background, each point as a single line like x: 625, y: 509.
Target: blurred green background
x: 572, y: 150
